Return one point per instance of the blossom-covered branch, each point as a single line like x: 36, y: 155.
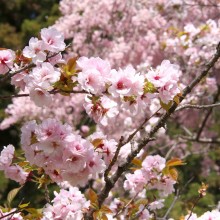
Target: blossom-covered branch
x: 121, y: 169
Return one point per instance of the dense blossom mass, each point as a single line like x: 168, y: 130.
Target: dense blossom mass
x: 90, y: 112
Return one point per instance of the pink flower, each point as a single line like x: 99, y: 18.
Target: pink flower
x: 143, y: 213
x: 53, y: 40
x: 76, y: 155
x: 28, y: 133
x: 6, y: 156
x: 80, y: 178
x: 211, y: 85
x: 95, y: 165
x: 106, y: 147
x: 192, y: 217
x: 213, y: 215
x: 56, y: 59
x: 122, y: 82
x: 40, y: 97
x: 43, y: 76
x: 101, y: 110
x: 16, y: 173
x: 67, y: 205
x: 168, y: 92
x: 85, y: 129
x: 35, y: 50
x: 135, y: 182
x: 95, y: 74
x: 6, y: 60
x: 158, y: 204
x: 53, y: 130
x: 164, y: 73
x: 154, y: 163
x: 18, y: 80
x: 108, y: 150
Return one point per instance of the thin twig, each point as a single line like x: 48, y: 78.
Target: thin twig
x: 197, y: 106
x: 124, y: 207
x: 47, y: 196
x: 178, y: 193
x: 202, y: 126
x: 194, y: 205
x: 131, y: 136
x: 11, y: 213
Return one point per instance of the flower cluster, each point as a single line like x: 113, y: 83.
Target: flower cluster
x: 63, y: 155
x: 12, y: 171
x: 165, y: 77
x: 111, y: 90
x: 67, y: 205
x: 45, y: 56
x: 150, y: 176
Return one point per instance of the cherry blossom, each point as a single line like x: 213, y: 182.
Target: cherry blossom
x: 6, y: 156
x: 66, y: 205
x: 16, y: 173
x: 6, y: 60
x: 53, y: 40
x: 35, y: 51
x: 95, y: 74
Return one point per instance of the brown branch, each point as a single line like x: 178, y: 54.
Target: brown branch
x: 122, y: 142
x: 202, y: 126
x: 114, y: 159
x: 13, y: 96
x: 121, y: 169
x: 12, y: 73
x: 51, y: 92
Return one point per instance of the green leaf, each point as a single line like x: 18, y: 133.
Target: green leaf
x: 166, y: 106
x: 21, y: 206
x: 12, y: 194
x: 149, y: 87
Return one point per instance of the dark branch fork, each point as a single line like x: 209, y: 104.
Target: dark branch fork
x: 110, y: 182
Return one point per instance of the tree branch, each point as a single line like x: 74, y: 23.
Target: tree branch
x: 51, y: 92
x: 202, y: 140
x: 197, y: 106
